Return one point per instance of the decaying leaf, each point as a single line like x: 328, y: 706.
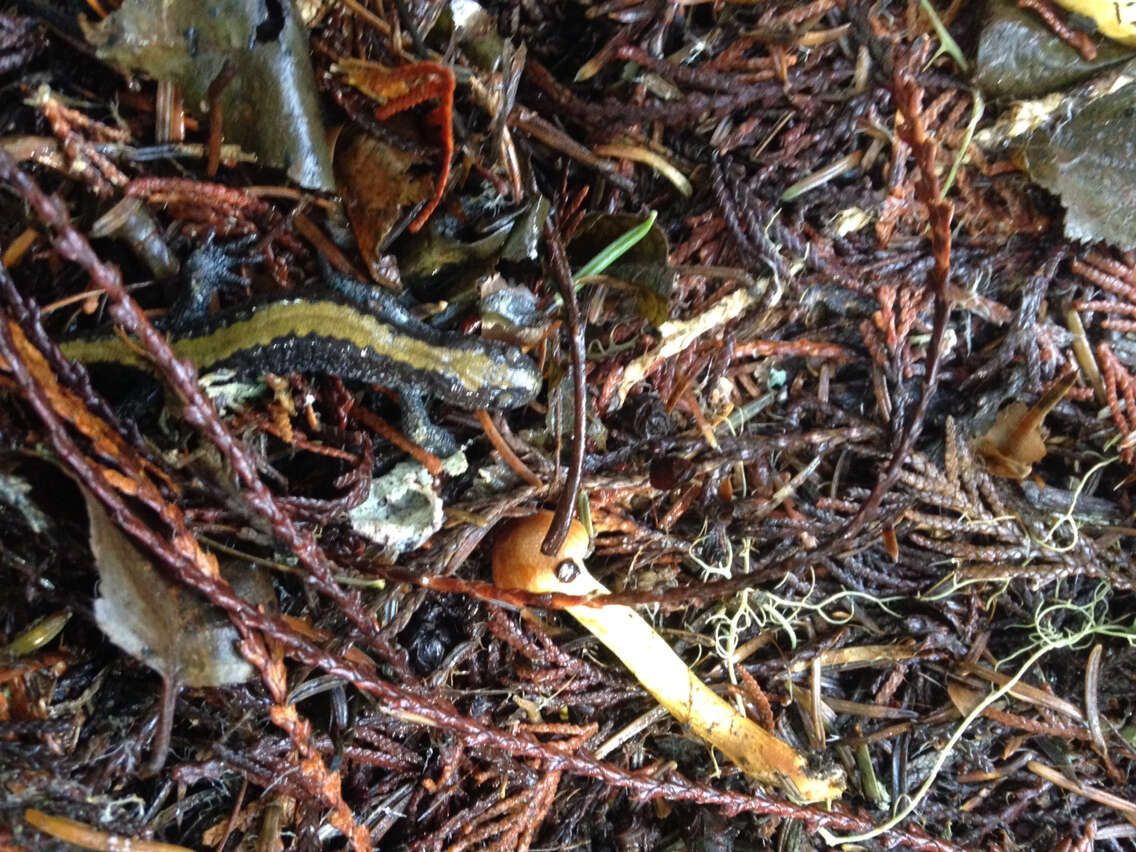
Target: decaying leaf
x: 170, y: 628
x: 270, y: 106
x: 1087, y: 156
x: 524, y: 240
x: 1079, y: 144
x: 433, y: 253
x: 375, y: 181
x: 645, y: 266
x: 1016, y: 441
x: 1019, y: 56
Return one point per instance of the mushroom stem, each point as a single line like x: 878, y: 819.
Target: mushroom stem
x: 518, y: 563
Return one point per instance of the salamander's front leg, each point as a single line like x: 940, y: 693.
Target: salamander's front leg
x: 205, y: 271
x: 417, y: 426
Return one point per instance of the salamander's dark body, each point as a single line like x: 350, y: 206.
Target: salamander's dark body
x: 360, y: 333
x: 326, y: 336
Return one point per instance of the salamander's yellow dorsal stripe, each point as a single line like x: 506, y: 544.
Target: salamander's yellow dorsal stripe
x: 474, y: 368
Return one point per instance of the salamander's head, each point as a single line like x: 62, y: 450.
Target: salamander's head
x: 523, y: 380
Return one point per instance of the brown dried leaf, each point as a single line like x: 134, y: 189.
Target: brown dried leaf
x: 374, y: 179
x: 170, y: 628
x: 1017, y: 440
x: 1009, y: 449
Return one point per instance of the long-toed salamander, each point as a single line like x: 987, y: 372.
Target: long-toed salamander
x: 385, y: 345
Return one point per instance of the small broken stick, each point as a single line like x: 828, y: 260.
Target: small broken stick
x: 519, y: 564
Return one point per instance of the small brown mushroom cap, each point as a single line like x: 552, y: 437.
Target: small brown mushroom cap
x: 519, y: 564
